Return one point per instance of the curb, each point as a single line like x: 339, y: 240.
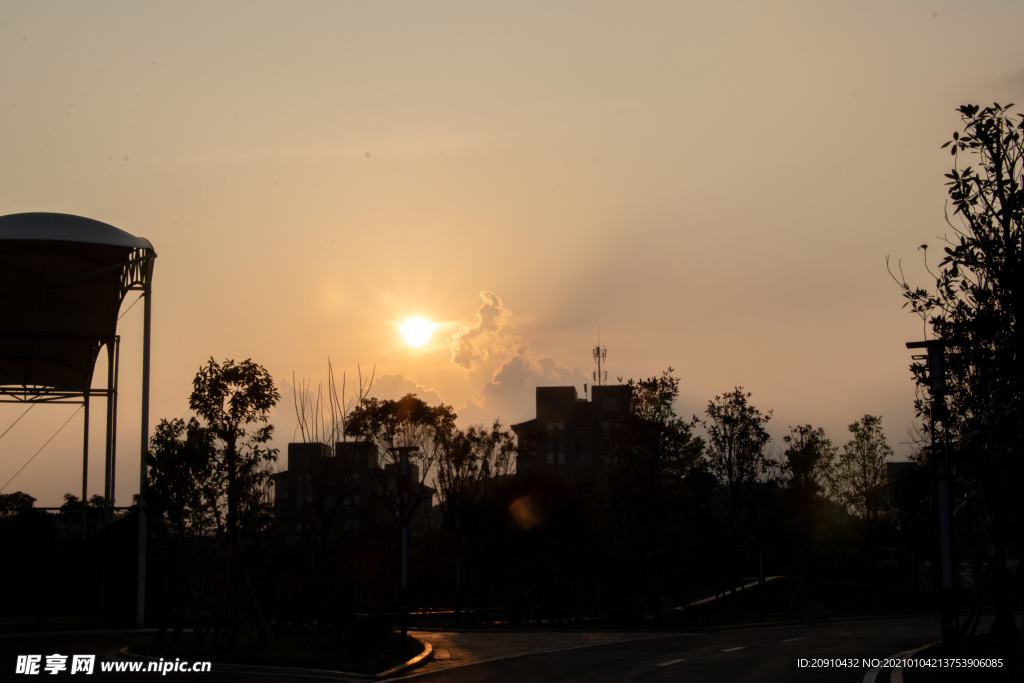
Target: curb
x: 542, y: 652
x: 414, y: 663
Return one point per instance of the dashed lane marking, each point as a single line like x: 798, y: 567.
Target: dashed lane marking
x: 733, y: 649
x: 670, y: 662
x: 790, y: 640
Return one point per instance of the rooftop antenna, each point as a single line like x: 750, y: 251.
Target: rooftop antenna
x: 600, y: 353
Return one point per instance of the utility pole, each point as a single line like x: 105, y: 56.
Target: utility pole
x: 458, y: 570
x: 760, y: 562
x: 402, y: 498
x: 937, y: 413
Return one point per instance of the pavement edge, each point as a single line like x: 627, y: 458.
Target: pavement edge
x: 414, y: 663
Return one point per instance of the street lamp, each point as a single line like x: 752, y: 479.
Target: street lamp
x: 937, y: 413
x: 458, y: 570
x: 402, y: 499
x: 760, y: 562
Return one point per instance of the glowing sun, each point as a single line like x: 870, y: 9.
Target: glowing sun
x: 416, y: 331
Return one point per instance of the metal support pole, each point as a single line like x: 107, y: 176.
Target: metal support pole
x: 113, y: 421
x: 404, y: 592
x: 950, y: 614
x: 140, y: 601
x: 760, y: 563
x: 937, y: 387
x: 458, y: 570
x: 402, y: 500
x: 110, y: 424
x: 85, y: 447
x: 85, y: 463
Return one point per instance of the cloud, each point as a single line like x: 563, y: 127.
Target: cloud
x: 472, y: 346
x: 510, y: 394
x: 395, y: 386
x: 493, y: 350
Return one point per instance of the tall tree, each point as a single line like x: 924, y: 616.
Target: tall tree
x: 860, y: 471
x: 806, y: 464
x: 652, y: 451
x: 857, y: 480
x: 230, y: 396
x: 738, y: 457
x: 974, y: 305
x: 183, y: 487
x: 406, y: 422
x: 471, y: 461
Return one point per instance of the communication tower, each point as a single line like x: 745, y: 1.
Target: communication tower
x: 600, y: 353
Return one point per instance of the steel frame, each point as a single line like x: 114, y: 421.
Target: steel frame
x: 136, y: 275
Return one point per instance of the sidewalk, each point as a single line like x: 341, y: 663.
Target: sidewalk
x: 457, y: 649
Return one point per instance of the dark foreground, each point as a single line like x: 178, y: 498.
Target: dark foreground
x: 764, y: 654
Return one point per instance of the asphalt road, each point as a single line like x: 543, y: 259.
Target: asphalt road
x: 765, y: 654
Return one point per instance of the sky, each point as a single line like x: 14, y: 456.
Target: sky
x: 713, y: 187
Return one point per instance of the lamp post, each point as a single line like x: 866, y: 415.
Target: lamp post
x: 458, y: 570
x: 402, y: 499
x: 937, y: 413
x: 760, y: 562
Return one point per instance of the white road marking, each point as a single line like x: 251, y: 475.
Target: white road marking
x: 790, y: 640
x: 733, y: 649
x: 670, y: 662
x: 870, y: 676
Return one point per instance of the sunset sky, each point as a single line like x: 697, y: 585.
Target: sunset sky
x: 715, y: 186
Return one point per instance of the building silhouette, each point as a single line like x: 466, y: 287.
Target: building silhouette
x: 345, y: 487
x: 569, y: 436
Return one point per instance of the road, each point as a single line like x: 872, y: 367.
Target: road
x: 764, y: 654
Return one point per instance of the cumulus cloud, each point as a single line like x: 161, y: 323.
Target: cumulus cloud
x: 472, y: 346
x: 493, y: 350
x: 394, y: 386
x: 510, y: 394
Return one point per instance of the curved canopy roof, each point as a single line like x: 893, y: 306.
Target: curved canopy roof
x: 62, y: 227
x: 62, y: 281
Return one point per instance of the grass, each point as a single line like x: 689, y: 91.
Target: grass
x: 365, y: 649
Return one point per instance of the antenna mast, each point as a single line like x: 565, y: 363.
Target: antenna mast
x: 600, y: 354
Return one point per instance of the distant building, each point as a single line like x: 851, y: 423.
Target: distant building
x: 569, y: 436
x: 348, y: 484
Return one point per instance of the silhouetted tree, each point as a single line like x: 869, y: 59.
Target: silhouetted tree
x: 183, y: 487
x: 229, y: 397
x: 12, y: 503
x: 471, y: 462
x: 738, y: 457
x: 975, y: 305
x: 806, y: 464
x: 652, y: 450
x: 857, y: 479
x: 406, y: 422
x: 860, y: 470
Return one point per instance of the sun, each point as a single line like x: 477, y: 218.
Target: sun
x: 416, y: 331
